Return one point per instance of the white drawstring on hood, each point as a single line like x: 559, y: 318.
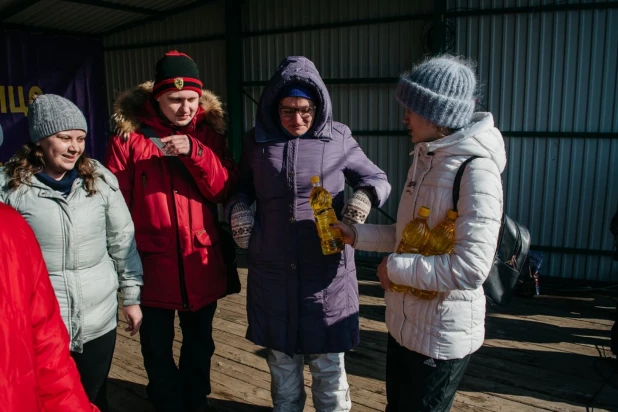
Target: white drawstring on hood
x: 479, y: 138
x: 414, y: 153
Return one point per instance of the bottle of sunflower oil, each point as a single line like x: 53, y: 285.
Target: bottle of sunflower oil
x: 321, y: 202
x: 416, y: 233
x: 442, y: 237
x: 413, y: 239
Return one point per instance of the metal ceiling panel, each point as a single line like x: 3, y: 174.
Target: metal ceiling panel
x: 202, y: 21
x: 56, y: 14
x: 160, y: 5
x: 7, y: 3
x: 36, y: 9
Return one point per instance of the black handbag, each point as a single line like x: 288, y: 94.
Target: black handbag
x: 228, y: 246
x: 511, y: 253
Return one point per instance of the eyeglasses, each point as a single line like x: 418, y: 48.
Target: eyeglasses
x: 288, y: 112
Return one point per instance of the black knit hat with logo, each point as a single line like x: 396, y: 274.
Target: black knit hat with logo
x: 176, y: 71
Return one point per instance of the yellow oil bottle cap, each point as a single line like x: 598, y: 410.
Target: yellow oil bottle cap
x: 315, y: 179
x: 424, y: 211
x: 451, y: 214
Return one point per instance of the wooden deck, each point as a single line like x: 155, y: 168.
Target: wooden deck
x: 545, y: 353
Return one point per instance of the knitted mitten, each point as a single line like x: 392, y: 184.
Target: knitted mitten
x: 242, y: 224
x: 358, y: 207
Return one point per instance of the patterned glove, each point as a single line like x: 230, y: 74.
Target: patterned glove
x: 358, y: 207
x: 242, y: 224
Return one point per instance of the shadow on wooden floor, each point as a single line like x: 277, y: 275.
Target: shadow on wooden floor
x: 121, y: 389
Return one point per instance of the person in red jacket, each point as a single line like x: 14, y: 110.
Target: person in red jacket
x: 37, y: 372
x: 173, y: 167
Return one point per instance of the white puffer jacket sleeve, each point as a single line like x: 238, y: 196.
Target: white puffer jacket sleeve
x: 375, y: 238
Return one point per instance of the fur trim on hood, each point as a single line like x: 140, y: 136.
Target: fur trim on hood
x: 131, y: 108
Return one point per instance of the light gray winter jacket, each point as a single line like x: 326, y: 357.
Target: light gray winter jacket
x: 452, y: 325
x: 89, y: 247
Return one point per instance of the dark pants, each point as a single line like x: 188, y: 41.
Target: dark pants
x: 93, y: 365
x: 187, y: 386
x: 415, y: 382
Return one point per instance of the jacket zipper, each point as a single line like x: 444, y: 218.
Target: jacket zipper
x: 181, y: 268
x: 415, y: 194
x: 144, y: 179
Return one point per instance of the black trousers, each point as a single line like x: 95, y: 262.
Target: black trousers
x: 186, y: 387
x: 93, y: 365
x: 415, y: 382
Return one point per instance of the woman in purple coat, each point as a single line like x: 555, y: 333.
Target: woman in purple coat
x: 300, y: 303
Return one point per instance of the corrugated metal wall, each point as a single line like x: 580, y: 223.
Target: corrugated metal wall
x: 130, y: 56
x: 550, y: 80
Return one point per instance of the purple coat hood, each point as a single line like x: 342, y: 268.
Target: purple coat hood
x: 299, y: 70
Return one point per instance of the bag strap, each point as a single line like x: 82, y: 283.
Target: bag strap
x: 153, y: 136
x: 148, y: 131
x: 457, y: 182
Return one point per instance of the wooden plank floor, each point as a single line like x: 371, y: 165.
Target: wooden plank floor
x: 545, y: 353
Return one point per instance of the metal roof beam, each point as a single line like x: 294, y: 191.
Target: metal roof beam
x: 161, y: 15
x: 179, y: 40
x: 115, y: 6
x: 351, y: 80
x: 16, y: 9
x: 554, y: 7
x: 338, y: 25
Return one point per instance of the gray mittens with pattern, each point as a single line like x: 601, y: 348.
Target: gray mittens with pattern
x: 241, y: 220
x: 358, y: 207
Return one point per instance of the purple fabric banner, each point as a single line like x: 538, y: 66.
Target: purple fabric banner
x: 66, y: 66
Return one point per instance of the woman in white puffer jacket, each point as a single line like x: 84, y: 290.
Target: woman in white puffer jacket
x: 430, y: 341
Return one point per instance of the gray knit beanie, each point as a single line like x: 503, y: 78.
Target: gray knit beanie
x: 49, y: 114
x: 440, y: 90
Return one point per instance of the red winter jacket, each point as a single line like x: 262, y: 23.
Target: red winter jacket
x: 174, y: 205
x: 37, y: 372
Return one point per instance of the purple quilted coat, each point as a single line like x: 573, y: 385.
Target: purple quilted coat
x: 298, y: 300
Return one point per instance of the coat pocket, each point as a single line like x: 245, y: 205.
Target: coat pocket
x: 207, y: 250
x: 203, y: 238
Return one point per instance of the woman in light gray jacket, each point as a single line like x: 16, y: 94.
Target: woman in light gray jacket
x: 85, y: 231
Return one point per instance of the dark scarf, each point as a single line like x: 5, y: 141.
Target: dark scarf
x: 63, y: 185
